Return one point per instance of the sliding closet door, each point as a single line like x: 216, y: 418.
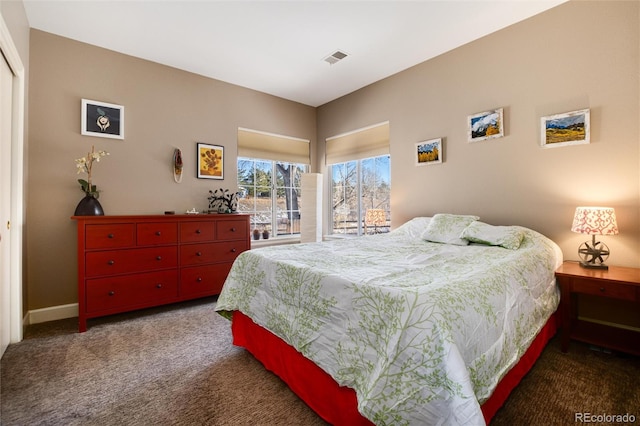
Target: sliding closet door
x: 6, y: 96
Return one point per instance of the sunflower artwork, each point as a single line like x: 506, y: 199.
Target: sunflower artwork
x: 210, y: 161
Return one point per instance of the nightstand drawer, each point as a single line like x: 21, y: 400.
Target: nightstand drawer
x: 605, y: 289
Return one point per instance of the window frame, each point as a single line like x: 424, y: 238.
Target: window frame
x: 273, y: 188
x: 361, y: 228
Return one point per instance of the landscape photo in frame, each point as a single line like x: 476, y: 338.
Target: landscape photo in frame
x: 569, y: 128
x: 429, y: 152
x: 485, y: 125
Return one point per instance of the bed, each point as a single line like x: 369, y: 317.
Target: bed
x: 432, y: 323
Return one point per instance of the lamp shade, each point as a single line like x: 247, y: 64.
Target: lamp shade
x: 374, y: 217
x: 595, y: 221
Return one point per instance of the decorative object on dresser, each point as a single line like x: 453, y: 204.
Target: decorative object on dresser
x: 133, y: 262
x: 594, y: 221
x: 89, y: 205
x: 223, y: 201
x: 617, y: 282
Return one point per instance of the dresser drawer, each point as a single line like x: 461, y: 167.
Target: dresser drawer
x: 231, y: 230
x: 197, y: 254
x: 193, y: 232
x: 105, y: 294
x: 605, y: 289
x: 203, y: 280
x: 149, y: 234
x: 135, y: 262
x: 113, y: 262
x: 110, y: 236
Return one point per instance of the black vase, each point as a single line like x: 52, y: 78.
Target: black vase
x: 89, y: 206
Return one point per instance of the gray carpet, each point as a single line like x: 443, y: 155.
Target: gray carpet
x: 176, y: 365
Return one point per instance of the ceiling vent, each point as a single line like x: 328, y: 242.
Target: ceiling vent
x: 335, y: 57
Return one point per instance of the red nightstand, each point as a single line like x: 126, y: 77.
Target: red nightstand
x: 617, y: 283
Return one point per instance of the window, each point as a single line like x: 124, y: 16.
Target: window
x: 357, y: 186
x: 270, y: 193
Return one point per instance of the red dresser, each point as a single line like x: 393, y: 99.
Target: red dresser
x: 133, y: 262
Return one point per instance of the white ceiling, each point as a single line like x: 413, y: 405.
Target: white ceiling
x: 278, y: 47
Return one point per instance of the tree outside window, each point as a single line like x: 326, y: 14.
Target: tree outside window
x: 357, y: 186
x: 270, y: 193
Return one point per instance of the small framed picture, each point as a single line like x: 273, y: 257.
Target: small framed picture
x: 485, y: 125
x: 210, y: 161
x: 102, y: 119
x: 569, y: 128
x: 429, y: 152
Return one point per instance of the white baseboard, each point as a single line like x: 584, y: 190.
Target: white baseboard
x: 52, y: 313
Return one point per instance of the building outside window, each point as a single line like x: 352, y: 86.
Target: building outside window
x: 270, y: 193
x: 356, y: 187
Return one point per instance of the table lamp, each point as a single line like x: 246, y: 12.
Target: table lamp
x: 594, y: 221
x: 375, y: 217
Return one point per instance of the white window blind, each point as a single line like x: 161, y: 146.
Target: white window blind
x: 369, y: 142
x: 267, y: 146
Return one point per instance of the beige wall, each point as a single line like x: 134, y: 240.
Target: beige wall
x: 578, y: 55
x: 165, y: 108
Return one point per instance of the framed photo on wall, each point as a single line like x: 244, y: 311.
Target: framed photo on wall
x: 210, y: 161
x: 569, y: 128
x: 102, y: 119
x: 485, y: 125
x: 429, y: 152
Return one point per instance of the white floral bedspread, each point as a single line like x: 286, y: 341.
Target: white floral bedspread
x: 422, y: 331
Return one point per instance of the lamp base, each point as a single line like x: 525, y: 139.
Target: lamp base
x: 593, y: 254
x: 594, y: 265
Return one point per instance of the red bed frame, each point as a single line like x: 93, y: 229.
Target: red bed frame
x: 337, y: 404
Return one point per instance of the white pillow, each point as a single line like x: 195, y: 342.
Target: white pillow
x: 447, y: 228
x: 505, y: 236
x: 414, y: 227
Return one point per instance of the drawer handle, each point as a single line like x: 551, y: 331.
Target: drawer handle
x: 159, y: 258
x: 198, y: 253
x: 233, y: 229
x: 111, y: 262
x: 158, y: 285
x: 158, y: 233
x: 199, y: 279
x: 112, y: 293
x: 198, y: 231
x: 233, y: 250
x: 110, y: 236
x: 602, y: 289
